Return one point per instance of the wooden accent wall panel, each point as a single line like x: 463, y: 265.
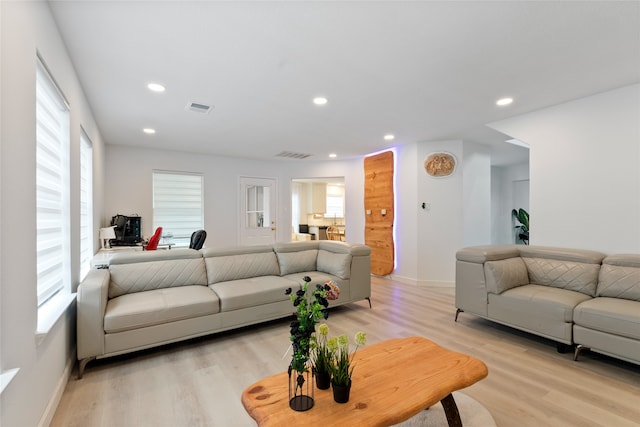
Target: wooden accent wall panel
x: 378, y: 195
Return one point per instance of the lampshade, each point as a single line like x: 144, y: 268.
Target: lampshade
x: 106, y: 234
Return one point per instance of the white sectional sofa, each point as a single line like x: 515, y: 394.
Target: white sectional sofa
x: 574, y: 297
x: 146, y: 299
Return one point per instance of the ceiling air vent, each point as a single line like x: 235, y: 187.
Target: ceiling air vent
x: 292, y: 155
x: 199, y: 108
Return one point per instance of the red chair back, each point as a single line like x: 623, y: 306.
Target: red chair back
x: 154, y: 240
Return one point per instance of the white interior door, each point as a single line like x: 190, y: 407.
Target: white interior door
x: 257, y: 211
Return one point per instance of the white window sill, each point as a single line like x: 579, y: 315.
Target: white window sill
x: 6, y: 377
x: 50, y: 312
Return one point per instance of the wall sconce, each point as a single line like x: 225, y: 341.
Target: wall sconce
x: 107, y: 234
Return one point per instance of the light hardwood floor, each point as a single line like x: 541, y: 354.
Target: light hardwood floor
x: 199, y: 382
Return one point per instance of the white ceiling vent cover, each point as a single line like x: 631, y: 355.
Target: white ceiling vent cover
x: 199, y: 108
x: 292, y: 155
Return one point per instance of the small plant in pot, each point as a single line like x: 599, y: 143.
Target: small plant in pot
x: 343, y: 366
x: 322, y: 357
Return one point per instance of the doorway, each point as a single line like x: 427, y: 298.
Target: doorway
x: 316, y: 205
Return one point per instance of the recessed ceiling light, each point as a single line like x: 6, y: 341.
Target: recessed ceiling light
x: 156, y: 87
x: 333, y: 155
x: 389, y: 137
x: 149, y: 131
x: 504, y: 101
x: 320, y: 100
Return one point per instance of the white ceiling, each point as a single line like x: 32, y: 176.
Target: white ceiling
x: 424, y: 71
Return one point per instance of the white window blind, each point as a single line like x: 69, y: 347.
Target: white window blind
x: 52, y: 187
x: 335, y: 201
x: 178, y: 205
x: 86, y: 204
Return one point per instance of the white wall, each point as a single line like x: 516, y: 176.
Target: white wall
x: 457, y: 213
x: 407, y: 213
x: 476, y: 194
x: 440, y: 230
x: 504, y: 179
x: 27, y: 27
x: 584, y: 170
x: 129, y: 189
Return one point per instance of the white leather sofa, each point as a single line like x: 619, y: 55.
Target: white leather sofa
x: 146, y: 299
x: 574, y: 297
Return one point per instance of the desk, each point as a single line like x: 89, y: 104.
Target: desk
x: 392, y: 381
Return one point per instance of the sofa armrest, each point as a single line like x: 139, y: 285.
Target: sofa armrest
x: 92, y: 304
x: 482, y: 254
x: 471, y: 283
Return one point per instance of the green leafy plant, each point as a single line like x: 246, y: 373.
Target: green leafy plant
x: 342, y: 368
x: 522, y: 217
x: 308, y: 312
x: 321, y: 355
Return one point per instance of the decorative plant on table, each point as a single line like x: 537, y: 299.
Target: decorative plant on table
x: 322, y: 357
x: 343, y: 366
x: 522, y: 217
x: 309, y: 311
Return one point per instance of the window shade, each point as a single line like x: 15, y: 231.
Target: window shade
x: 335, y: 201
x: 177, y: 205
x: 52, y: 187
x: 86, y: 204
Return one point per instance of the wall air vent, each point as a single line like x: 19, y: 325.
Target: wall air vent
x: 292, y: 155
x: 199, y: 108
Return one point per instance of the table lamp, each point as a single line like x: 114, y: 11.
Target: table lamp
x: 107, y: 234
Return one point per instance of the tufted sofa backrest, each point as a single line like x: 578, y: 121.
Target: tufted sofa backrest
x: 240, y: 263
x: 620, y: 277
x: 571, y: 269
x: 144, y: 271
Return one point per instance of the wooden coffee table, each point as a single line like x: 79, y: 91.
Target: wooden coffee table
x: 393, y: 381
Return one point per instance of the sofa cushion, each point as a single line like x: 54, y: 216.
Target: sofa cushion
x: 142, y: 309
x: 228, y: 265
x: 505, y: 274
x: 569, y: 275
x: 611, y: 315
x: 543, y: 301
x: 250, y: 292
x: 336, y: 264
x: 618, y: 280
x: 295, y: 262
x: 145, y: 276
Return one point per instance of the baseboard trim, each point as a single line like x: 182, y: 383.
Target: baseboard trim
x: 436, y: 284
x: 423, y: 283
x: 50, y: 411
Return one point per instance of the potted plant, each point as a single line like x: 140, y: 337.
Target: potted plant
x: 343, y: 366
x: 322, y: 357
x: 522, y: 228
x: 308, y: 312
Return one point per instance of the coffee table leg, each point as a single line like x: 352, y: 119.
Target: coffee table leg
x: 451, y: 411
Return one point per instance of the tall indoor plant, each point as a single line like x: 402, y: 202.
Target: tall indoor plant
x: 522, y: 228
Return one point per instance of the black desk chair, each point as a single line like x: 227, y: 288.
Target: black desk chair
x: 197, y: 239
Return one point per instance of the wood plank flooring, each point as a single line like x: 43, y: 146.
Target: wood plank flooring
x: 199, y: 382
